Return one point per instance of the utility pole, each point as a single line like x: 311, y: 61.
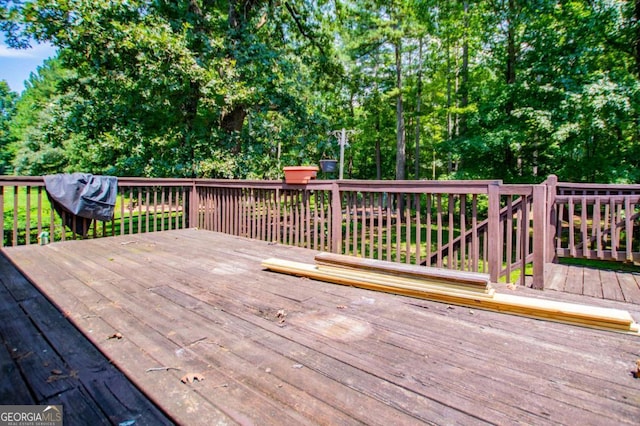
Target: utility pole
x: 342, y: 136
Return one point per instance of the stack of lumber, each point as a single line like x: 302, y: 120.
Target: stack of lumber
x: 453, y: 287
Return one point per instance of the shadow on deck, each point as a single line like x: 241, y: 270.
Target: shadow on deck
x: 45, y: 360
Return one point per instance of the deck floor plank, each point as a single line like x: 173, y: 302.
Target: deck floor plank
x: 592, y: 286
x: 200, y: 301
x: 58, y: 365
x: 174, y: 276
x: 630, y: 288
x: 246, y: 298
x: 575, y: 280
x: 610, y: 286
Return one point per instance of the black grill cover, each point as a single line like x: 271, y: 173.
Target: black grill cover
x: 82, y: 195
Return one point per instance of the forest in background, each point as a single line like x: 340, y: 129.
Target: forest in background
x: 433, y: 89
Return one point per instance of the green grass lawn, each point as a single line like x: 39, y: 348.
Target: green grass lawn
x: 27, y: 213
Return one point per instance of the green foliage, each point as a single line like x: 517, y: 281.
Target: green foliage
x: 7, y: 110
x: 508, y: 90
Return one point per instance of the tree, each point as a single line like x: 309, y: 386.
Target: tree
x: 7, y: 108
x: 167, y: 87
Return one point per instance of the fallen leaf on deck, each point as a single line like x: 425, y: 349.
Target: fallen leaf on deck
x: 115, y: 336
x: 56, y: 375
x: 192, y: 377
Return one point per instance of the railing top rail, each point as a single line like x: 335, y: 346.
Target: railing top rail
x: 569, y: 186
x: 466, y: 186
x: 419, y: 186
x: 21, y: 180
x: 517, y: 189
x: 262, y: 184
x: 408, y: 186
x: 122, y: 181
x: 591, y: 198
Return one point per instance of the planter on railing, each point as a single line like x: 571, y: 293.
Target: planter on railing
x: 299, y: 175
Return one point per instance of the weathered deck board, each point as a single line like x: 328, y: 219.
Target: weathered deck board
x: 610, y: 286
x: 200, y: 301
x: 45, y: 360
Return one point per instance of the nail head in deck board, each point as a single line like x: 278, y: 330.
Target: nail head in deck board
x: 533, y: 362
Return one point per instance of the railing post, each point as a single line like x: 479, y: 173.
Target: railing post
x: 2, y: 216
x: 336, y: 219
x: 193, y: 206
x: 540, y: 236
x: 493, y: 233
x: 551, y: 212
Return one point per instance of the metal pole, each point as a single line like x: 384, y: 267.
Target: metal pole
x: 343, y: 138
x: 342, y: 141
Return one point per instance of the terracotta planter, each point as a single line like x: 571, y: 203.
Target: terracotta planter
x: 299, y: 175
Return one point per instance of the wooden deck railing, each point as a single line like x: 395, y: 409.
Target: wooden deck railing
x: 143, y: 205
x: 419, y: 222
x: 594, y: 221
x: 507, y: 231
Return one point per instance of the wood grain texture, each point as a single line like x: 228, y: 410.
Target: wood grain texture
x: 571, y: 313
x: 279, y: 349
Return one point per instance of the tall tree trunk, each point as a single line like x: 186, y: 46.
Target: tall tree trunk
x: 401, y: 155
x: 418, y: 112
x: 636, y: 14
x: 378, y: 153
x: 449, y: 102
x: 239, y: 14
x: 510, y: 76
x: 464, y: 85
x: 511, y: 50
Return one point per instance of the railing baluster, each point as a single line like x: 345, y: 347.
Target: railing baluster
x: 16, y: 195
x: 429, y: 225
x: 407, y: 227
x: 475, y: 246
x: 463, y: 231
x: 2, y: 244
x: 439, y: 230
x: 27, y: 225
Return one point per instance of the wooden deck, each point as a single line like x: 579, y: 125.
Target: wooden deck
x: 45, y: 360
x: 598, y: 283
x: 276, y: 349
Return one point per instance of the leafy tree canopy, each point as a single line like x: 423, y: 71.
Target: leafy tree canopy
x: 507, y: 89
